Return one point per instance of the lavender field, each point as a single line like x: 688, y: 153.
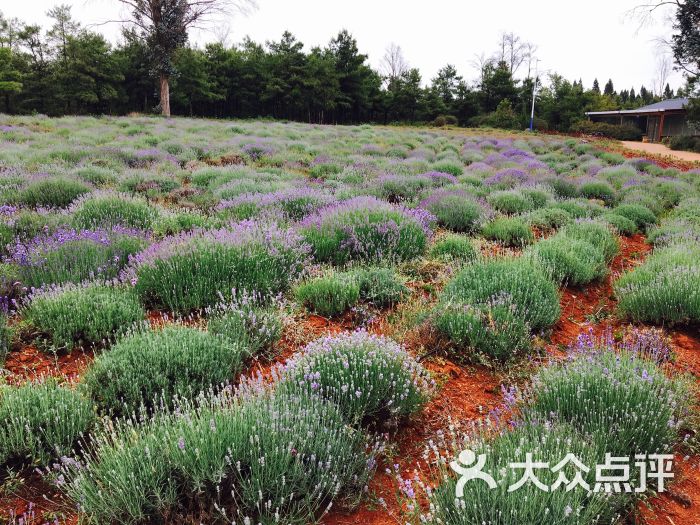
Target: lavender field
x: 259, y: 322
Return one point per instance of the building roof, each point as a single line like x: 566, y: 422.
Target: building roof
x: 672, y: 104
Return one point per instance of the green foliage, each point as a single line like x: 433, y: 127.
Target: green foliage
x: 494, y: 330
x: 457, y: 247
x: 563, y: 187
x: 5, y: 336
x: 371, y: 379
x: 596, y: 233
x: 529, y: 504
x: 172, y: 224
x: 625, y: 404
x: 510, y: 201
x: 329, y: 296
x: 247, y: 324
x: 40, y: 421
x: 509, y: 231
x: 623, y: 225
x: 643, y: 217
x: 569, y: 261
x: 533, y: 295
x: 106, y: 211
x: 381, y: 287
x: 151, y: 367
x: 52, y: 192
x: 369, y: 231
x: 548, y: 218
x: 598, y: 190
x: 605, y: 129
x: 210, y: 457
x: 457, y: 213
x: 448, y: 166
x: 74, y: 315
x: 665, y: 289
x: 80, y: 259
x: 196, y: 270
x: 684, y: 143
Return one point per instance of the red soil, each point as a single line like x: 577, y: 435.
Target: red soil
x: 31, y: 363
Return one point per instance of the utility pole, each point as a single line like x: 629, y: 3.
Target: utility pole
x: 534, y: 94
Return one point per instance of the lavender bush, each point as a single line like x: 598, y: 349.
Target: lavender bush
x: 69, y: 255
x: 367, y: 229
x: 61, y: 317
x: 614, y: 394
x: 370, y: 378
x: 254, y: 458
x: 151, y: 367
x: 191, y: 270
x: 40, y: 421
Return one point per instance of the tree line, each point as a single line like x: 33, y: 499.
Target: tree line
x: 68, y: 69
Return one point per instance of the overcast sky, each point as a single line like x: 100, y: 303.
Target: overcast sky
x: 583, y: 40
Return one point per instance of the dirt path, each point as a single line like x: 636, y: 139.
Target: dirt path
x: 660, y: 149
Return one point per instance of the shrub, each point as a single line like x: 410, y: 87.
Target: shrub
x: 96, y: 176
x: 509, y: 231
x: 456, y: 210
x: 533, y: 295
x: 510, y: 201
x: 329, y: 296
x: 665, y: 289
x: 81, y: 315
x: 598, y: 190
x: 246, y: 323
x: 604, y: 129
x: 400, y: 188
x: 73, y: 256
x: 548, y: 218
x: 370, y: 378
x: 380, y: 286
x: 579, y: 208
x: 367, y: 229
x: 52, y: 193
x: 211, y: 458
x: 623, y: 225
x: 684, y: 143
x: 623, y: 402
x: 191, y: 270
x: 106, y: 210
x: 492, y: 329
x: 455, y: 247
x: 27, y: 224
x: 174, y: 223
x: 448, y: 166
x: 293, y: 204
x: 445, y: 120
x: 529, y: 504
x: 596, y: 233
x: 150, y: 368
x: 40, y: 421
x: 642, y: 216
x: 569, y: 261
x: 564, y: 188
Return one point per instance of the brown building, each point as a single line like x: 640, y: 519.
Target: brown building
x: 663, y: 119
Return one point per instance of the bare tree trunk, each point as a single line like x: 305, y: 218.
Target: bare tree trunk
x: 164, y: 95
